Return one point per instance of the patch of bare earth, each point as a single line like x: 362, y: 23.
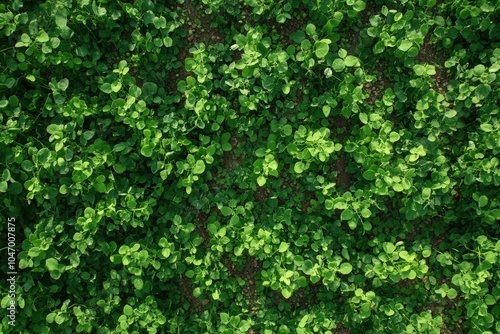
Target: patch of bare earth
x: 344, y: 178
x: 230, y: 160
x: 340, y: 329
x: 186, y: 290
x: 285, y: 29
x: 429, y: 54
x: 305, y: 297
x: 201, y: 228
x: 352, y: 37
x: 306, y: 203
x: 442, y: 308
x: 261, y: 194
x: 370, y: 10
x: 377, y: 88
x: 199, y: 30
x: 248, y: 274
x: 291, y: 25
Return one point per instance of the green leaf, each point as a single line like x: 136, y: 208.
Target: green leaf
x: 51, y: 264
x: 15, y: 188
x: 225, y: 318
x: 147, y: 150
x: 419, y: 70
x: 160, y: 22
x: 363, y: 117
x: 226, y: 211
x: 116, y: 86
x: 359, y: 5
x: 298, y: 36
x: 366, y: 213
x: 303, y: 322
x: 450, y: 113
x: 369, y: 175
x: 235, y: 220
x: 6, y: 175
x: 119, y: 168
x: 482, y: 201
x: 310, y: 29
x: 482, y: 91
x: 307, y: 266
x: 287, y: 130
x: 149, y: 88
x: 452, y: 293
x: 394, y: 136
x: 281, y: 18
x: 351, y: 61
x: 283, y: 247
x: 128, y: 310
x: 299, y: 167
x: 261, y: 180
x: 413, y: 52
x: 405, y: 45
x: 286, y: 292
x: 347, y: 214
x: 338, y: 65
x: 4, y: 186
x: 43, y: 37
x: 389, y: 247
x: 63, y: 84
x: 168, y: 41
x: 379, y: 47
x: 486, y: 127
x: 342, y: 53
x: 88, y: 135
x: 197, y: 292
x: 138, y: 283
x: 50, y: 318
x: 34, y: 252
x: 322, y: 49
x: 398, y: 187
x: 106, y: 88
x: 199, y: 167
x: 25, y: 38
x: 13, y: 101
x: 43, y: 155
x: 345, y: 268
x: 61, y: 18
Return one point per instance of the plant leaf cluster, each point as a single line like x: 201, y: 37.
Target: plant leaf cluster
x: 314, y: 166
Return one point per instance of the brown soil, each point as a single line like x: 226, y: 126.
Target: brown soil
x: 344, y: 179
x: 340, y: 329
x: 308, y: 196
x: 304, y: 297
x: 229, y: 159
x: 377, y: 88
x: 186, y: 289
x: 429, y: 54
x: 248, y: 274
x: 261, y: 194
x: 352, y: 40
x: 199, y: 31
x: 291, y: 25
x: 371, y: 9
x: 201, y: 228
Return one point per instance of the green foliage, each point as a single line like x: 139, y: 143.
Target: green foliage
x: 252, y: 166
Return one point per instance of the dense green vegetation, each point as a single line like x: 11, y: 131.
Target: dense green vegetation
x: 288, y: 166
